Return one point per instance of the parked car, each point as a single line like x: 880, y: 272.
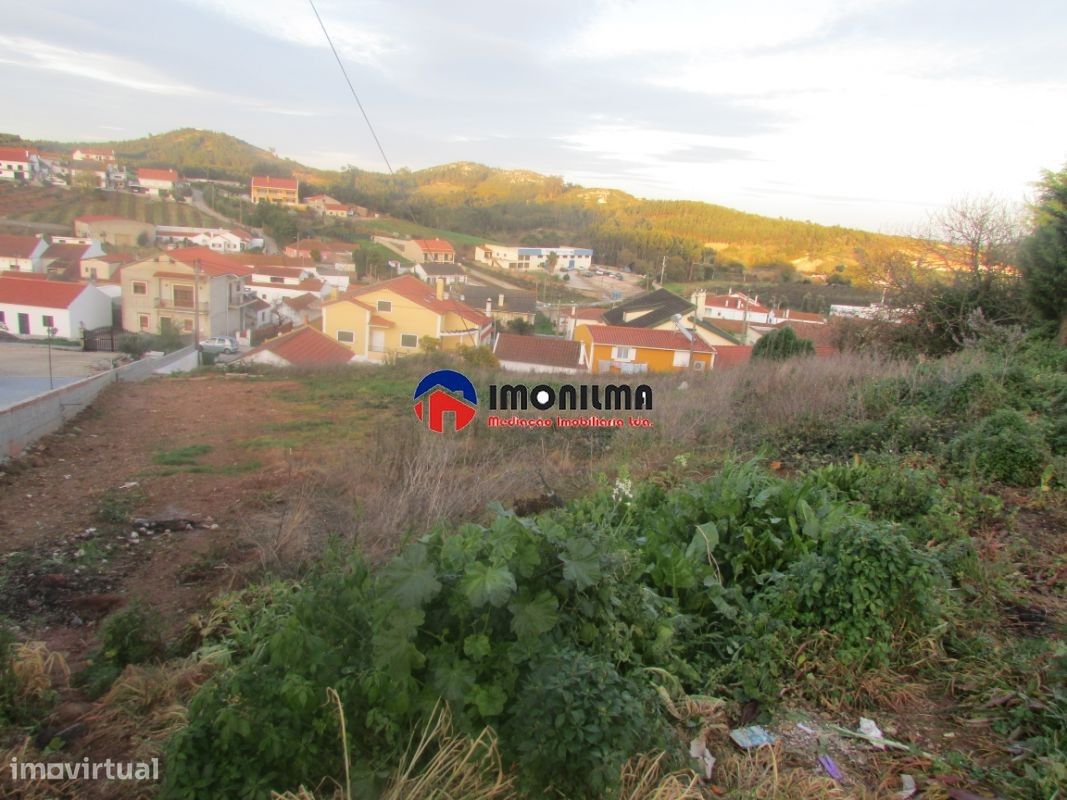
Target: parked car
x: 219, y: 344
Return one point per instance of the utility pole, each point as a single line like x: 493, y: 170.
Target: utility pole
x: 51, y: 332
x: 662, y: 271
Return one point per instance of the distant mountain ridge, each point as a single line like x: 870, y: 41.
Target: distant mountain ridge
x: 512, y: 204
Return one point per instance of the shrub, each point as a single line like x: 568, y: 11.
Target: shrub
x: 131, y: 636
x: 1002, y: 447
x: 576, y: 721
x: 133, y: 344
x: 782, y: 344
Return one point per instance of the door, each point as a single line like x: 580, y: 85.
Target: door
x: 377, y: 341
x: 24, y: 324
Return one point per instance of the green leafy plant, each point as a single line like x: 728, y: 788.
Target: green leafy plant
x: 1003, y: 446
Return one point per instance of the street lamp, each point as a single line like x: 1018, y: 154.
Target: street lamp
x: 51, y: 332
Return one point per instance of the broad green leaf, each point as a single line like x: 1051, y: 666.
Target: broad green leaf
x: 411, y: 578
x: 483, y: 584
x: 705, y: 540
x: 581, y: 564
x: 489, y: 700
x: 477, y: 646
x: 453, y: 680
x: 532, y: 618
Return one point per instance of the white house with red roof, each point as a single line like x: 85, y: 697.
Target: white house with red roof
x: 188, y: 288
x: 153, y: 181
x: 31, y: 304
x: 733, y: 305
x: 221, y: 240
x: 302, y: 347
x: 539, y: 354
x: 22, y: 253
x: 102, y: 154
x: 19, y: 163
x: 64, y: 261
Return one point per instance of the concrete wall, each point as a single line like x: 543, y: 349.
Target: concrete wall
x: 25, y: 422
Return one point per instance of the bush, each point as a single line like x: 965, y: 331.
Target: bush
x: 782, y: 344
x: 131, y: 636
x: 133, y: 344
x: 1002, y: 447
x: 576, y: 721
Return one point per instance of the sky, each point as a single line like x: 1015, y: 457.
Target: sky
x: 867, y: 113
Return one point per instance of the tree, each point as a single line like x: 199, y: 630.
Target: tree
x: 520, y: 326
x: 1043, y: 257
x: 782, y: 344
x: 551, y: 261
x: 979, y: 234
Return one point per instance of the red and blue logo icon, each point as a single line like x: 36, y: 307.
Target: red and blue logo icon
x: 436, y: 395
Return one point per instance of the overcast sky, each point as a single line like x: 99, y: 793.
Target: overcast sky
x: 860, y: 112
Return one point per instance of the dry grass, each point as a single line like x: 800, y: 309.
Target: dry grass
x: 38, y: 671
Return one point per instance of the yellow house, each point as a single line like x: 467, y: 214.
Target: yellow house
x: 275, y: 190
x: 398, y: 316
x: 617, y: 349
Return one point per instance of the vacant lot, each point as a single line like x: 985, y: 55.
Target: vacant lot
x: 55, y: 205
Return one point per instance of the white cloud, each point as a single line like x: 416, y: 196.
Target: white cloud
x: 36, y: 54
x: 293, y: 21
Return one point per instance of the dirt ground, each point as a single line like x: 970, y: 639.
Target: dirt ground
x: 66, y: 559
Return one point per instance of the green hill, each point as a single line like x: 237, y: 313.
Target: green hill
x: 520, y: 206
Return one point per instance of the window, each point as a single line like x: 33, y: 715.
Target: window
x: 622, y: 353
x: 140, y: 287
x: 409, y: 340
x: 187, y: 325
x: 142, y: 321
x: 183, y: 296
x: 348, y: 337
x: 2, y: 318
x: 681, y: 358
x: 48, y: 321
x: 274, y: 279
x: 385, y: 305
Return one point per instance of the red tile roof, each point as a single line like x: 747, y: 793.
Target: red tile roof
x: 18, y: 246
x: 211, y: 263
x: 95, y: 151
x: 66, y: 252
x: 545, y: 351
x: 40, y: 293
x: 276, y: 271
x: 587, y: 313
x: 731, y: 356
x: 411, y: 288
x: 306, y: 347
x: 735, y: 301
x: 16, y: 154
x: 300, y: 302
x: 646, y: 337
x: 267, y: 182
x: 150, y: 174
x: 434, y: 246
x: 115, y: 258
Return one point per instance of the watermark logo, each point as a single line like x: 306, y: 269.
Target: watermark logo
x: 436, y: 395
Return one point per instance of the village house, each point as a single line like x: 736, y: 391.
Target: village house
x: 447, y: 271
x: 539, y: 354
x: 274, y: 283
x: 285, y: 191
x: 185, y: 287
x: 422, y: 251
x: 317, y: 251
x: 93, y: 154
x: 104, y: 267
x: 503, y: 305
x: 621, y: 350
x: 525, y: 258
x: 733, y: 305
x: 19, y: 164
x: 401, y: 316
x: 64, y: 261
x: 30, y: 305
x: 221, y: 240
x: 157, y: 182
x: 299, y: 310
x: 574, y: 316
x: 117, y: 231
x: 22, y: 253
x: 88, y: 174
x: 302, y: 347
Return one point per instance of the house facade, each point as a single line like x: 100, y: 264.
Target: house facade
x: 504, y: 256
x: 31, y: 304
x: 539, y: 354
x: 186, y: 287
x: 113, y: 230
x: 221, y: 240
x: 22, y: 253
x: 732, y: 306
x: 503, y: 305
x: 93, y: 154
x: 156, y: 181
x: 447, y: 271
x: 285, y: 191
x: 64, y: 261
x: 612, y: 349
x: 19, y: 164
x: 425, y: 251
x: 396, y: 318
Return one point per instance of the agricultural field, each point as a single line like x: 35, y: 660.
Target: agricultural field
x: 58, y: 206
x: 304, y: 585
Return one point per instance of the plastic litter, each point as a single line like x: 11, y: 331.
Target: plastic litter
x: 869, y: 729
x: 752, y: 737
x: 908, y: 788
x: 831, y: 768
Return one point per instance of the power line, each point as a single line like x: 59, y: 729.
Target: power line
x: 351, y: 88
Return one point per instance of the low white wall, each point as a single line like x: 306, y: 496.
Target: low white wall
x: 23, y: 423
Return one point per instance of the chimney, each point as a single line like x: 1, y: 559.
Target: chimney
x: 440, y: 289
x: 500, y: 300
x: 702, y: 303
x: 786, y: 314
x: 488, y: 306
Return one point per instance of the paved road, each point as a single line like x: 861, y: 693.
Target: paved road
x: 24, y: 369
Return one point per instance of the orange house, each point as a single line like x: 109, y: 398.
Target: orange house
x: 619, y: 350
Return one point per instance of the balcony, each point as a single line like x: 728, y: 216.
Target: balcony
x: 179, y: 308
x: 241, y: 300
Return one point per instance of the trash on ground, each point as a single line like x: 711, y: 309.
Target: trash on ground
x: 751, y: 737
x: 869, y: 729
x: 831, y: 768
x: 907, y: 787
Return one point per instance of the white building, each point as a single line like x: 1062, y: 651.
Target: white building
x: 30, y: 305
x: 154, y: 181
x: 18, y: 164
x: 524, y: 258
x: 274, y: 284
x: 22, y: 253
x: 733, y: 306
x: 221, y: 240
